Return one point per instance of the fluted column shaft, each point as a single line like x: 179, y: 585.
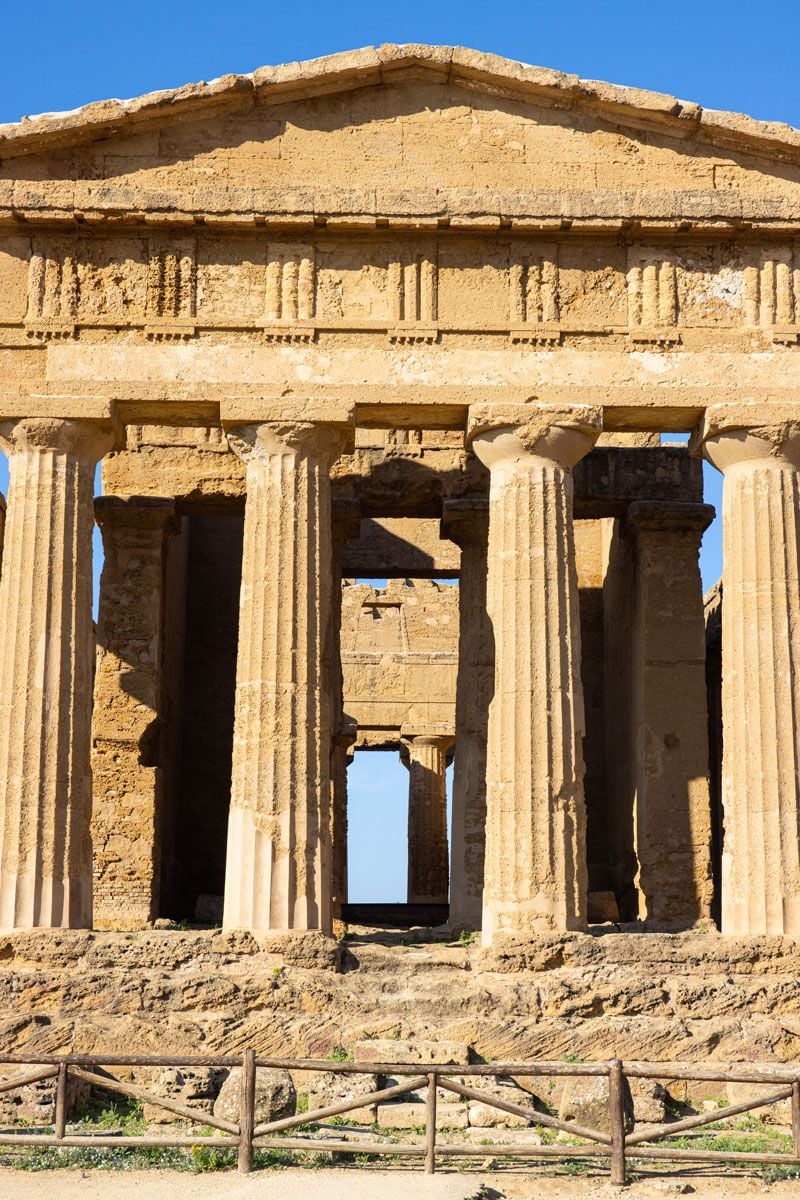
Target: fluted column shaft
x: 427, y: 818
x: 278, y: 873
x: 535, y: 870
x: 46, y: 648
x: 466, y: 522
x: 128, y: 720
x: 760, y: 667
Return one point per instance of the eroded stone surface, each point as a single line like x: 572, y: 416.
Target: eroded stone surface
x: 489, y: 267
x: 275, y: 1096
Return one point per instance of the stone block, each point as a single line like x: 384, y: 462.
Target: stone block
x: 329, y: 1087
x: 443, y: 1096
x: 602, y: 908
x: 390, y: 1050
x: 584, y: 1100
x: 772, y: 1114
x: 484, y: 1116
x: 366, y: 1115
x: 412, y: 1116
x: 34, y: 1104
x: 275, y: 1095
x: 196, y: 1087
x: 649, y: 1101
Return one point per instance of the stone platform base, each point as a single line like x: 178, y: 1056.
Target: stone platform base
x: 690, y: 997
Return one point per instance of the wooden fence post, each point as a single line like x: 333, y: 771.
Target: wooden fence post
x: 430, y: 1126
x: 796, y: 1119
x: 616, y: 1112
x: 60, y: 1122
x: 247, y: 1112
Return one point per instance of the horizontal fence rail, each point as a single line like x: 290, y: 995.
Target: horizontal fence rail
x: 246, y: 1135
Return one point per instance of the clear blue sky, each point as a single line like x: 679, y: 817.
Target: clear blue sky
x: 723, y: 53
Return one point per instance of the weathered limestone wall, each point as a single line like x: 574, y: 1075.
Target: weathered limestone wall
x: 686, y: 997
x: 129, y: 725
x: 400, y: 656
x: 400, y: 548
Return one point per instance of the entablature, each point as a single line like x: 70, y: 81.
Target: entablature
x: 534, y: 290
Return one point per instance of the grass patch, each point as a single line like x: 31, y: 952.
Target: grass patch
x: 340, y: 1054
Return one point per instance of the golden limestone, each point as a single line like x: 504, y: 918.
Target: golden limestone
x: 377, y: 353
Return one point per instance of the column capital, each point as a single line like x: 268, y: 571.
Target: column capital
x: 465, y: 520
x: 522, y: 435
x: 86, y: 437
x: 135, y: 512
x: 659, y: 516
x: 427, y: 736
x: 262, y: 440
x: 763, y: 436
x: 259, y: 427
x: 347, y: 735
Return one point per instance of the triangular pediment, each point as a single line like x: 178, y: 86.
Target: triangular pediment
x: 420, y: 131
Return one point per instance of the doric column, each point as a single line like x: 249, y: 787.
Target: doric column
x: 425, y: 755
x: 669, y: 745
x: 278, y: 872
x: 535, y: 872
x: 46, y: 647
x: 758, y: 452
x: 341, y: 757
x: 466, y: 522
x: 128, y: 719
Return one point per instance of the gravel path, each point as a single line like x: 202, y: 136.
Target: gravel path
x: 261, y: 1185
x: 364, y: 1185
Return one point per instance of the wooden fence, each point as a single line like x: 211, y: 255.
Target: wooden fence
x: 246, y: 1135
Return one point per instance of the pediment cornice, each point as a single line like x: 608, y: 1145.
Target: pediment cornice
x: 372, y: 66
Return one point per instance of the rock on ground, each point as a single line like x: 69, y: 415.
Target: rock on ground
x: 584, y: 1100
x: 196, y: 1087
x: 275, y: 1095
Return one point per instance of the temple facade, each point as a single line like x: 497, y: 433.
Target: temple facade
x: 423, y: 315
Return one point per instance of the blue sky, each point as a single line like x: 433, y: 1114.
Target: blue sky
x: 724, y: 54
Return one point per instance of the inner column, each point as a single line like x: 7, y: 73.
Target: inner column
x: 426, y: 758
x: 278, y: 872
x: 535, y: 871
x: 466, y: 522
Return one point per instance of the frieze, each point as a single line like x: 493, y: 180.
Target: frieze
x: 535, y: 293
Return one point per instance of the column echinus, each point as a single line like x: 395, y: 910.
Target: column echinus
x: 278, y: 870
x: 757, y: 449
x: 535, y: 872
x: 46, y: 650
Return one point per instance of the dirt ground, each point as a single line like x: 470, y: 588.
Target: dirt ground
x: 369, y: 1184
